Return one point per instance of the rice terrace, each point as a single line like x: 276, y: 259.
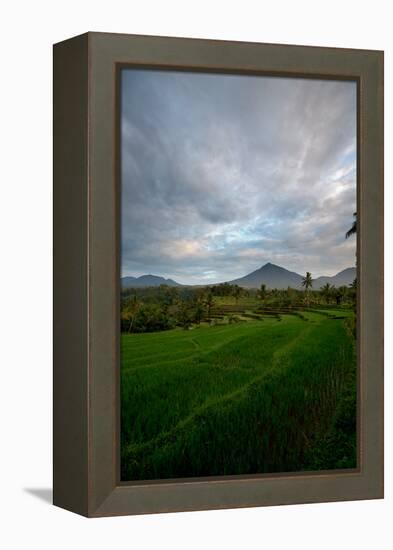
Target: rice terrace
x: 222, y: 380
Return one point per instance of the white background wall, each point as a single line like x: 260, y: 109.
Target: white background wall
x: 28, y: 29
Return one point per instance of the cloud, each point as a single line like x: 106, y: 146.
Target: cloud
x: 222, y: 173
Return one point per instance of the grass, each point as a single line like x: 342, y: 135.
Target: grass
x: 271, y: 396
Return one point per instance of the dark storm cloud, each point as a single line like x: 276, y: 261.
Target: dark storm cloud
x: 223, y: 173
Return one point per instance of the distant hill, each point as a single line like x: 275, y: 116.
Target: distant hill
x: 274, y: 276
x: 146, y: 280
x: 343, y: 278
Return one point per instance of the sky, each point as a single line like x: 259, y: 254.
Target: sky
x: 221, y: 174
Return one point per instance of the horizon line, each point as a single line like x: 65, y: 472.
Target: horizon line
x: 174, y: 278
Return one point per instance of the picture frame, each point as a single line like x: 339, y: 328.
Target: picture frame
x: 86, y: 459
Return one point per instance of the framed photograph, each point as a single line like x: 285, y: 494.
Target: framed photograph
x: 218, y: 274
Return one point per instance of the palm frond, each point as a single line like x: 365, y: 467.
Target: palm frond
x: 353, y: 229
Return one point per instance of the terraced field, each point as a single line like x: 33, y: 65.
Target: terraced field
x: 272, y: 394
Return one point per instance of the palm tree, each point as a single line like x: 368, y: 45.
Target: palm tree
x: 353, y: 229
x: 307, y: 283
x: 354, y: 284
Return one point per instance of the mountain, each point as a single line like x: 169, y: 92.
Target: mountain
x: 146, y: 280
x: 343, y: 278
x: 274, y: 276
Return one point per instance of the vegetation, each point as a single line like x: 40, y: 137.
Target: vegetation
x: 353, y: 228
x: 233, y: 381
x: 161, y: 308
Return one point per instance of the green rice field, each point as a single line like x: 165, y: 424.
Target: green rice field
x: 274, y: 393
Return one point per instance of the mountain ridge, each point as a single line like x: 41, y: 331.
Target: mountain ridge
x: 275, y: 276
x: 146, y: 280
x: 272, y: 275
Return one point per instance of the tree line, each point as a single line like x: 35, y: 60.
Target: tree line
x: 160, y: 308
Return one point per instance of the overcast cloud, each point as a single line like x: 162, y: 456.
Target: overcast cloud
x: 223, y: 173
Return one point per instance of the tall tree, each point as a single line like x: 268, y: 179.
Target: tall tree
x: 307, y: 283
